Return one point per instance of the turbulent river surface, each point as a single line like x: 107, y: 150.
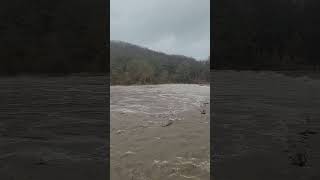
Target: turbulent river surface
x: 160, y: 132
x: 53, y: 128
x: 266, y: 126
x: 158, y: 99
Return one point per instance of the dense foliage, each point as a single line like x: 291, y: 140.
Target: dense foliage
x: 131, y: 64
x: 60, y: 36
x: 272, y: 34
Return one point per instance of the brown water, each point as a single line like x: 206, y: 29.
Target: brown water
x: 257, y: 125
x: 53, y: 128
x: 142, y: 147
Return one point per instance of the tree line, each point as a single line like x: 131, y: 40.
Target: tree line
x: 273, y: 34
x: 131, y: 64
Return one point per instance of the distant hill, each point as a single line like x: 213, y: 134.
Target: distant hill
x: 132, y: 64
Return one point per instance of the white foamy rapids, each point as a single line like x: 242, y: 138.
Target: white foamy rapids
x: 156, y: 99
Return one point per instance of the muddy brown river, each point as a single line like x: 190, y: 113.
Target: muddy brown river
x: 160, y: 132
x: 265, y: 126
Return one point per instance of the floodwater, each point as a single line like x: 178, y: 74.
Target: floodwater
x: 158, y: 99
x: 266, y: 126
x: 53, y: 128
x: 160, y: 132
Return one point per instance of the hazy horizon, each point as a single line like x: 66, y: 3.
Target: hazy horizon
x: 180, y: 27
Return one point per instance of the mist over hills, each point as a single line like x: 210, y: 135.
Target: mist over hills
x: 132, y: 64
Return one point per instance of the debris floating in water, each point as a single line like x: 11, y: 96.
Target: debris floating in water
x: 128, y: 153
x: 170, y: 122
x: 120, y: 131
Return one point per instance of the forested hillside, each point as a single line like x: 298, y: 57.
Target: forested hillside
x: 131, y: 64
x: 60, y: 36
x: 273, y: 34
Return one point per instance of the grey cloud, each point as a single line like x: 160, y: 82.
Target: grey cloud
x: 172, y: 26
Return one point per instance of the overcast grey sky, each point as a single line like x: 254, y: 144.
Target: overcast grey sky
x: 171, y: 26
